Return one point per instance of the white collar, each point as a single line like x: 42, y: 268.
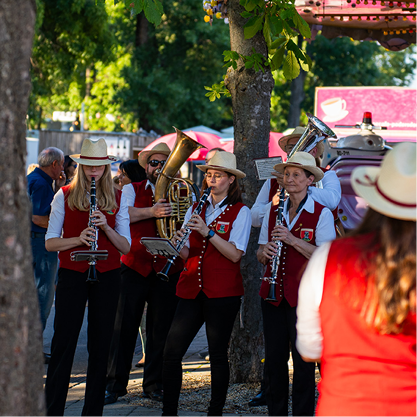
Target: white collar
x: 210, y: 199
x: 308, y: 205
x: 149, y: 184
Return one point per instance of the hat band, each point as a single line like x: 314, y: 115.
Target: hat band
x: 97, y: 158
x: 380, y: 192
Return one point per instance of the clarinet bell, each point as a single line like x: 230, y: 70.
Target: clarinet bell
x: 92, y: 275
x: 164, y: 273
x: 271, y: 293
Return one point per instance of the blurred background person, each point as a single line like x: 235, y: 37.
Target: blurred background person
x: 31, y: 168
x: 131, y: 171
x: 357, y: 299
x: 69, y: 168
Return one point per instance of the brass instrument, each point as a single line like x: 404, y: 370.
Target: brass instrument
x: 92, y: 255
x: 315, y: 132
x: 170, y: 188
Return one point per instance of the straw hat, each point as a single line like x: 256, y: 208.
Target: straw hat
x: 297, y: 133
x: 161, y: 148
x: 223, y: 161
x: 93, y: 153
x: 391, y: 188
x: 302, y: 160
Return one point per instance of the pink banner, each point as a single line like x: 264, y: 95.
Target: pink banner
x: 393, y: 107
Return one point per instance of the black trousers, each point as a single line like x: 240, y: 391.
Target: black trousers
x: 280, y: 334
x: 72, y: 293
x: 162, y: 302
x: 219, y: 314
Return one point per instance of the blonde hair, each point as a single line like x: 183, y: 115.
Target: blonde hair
x: 391, y: 287
x: 79, y: 198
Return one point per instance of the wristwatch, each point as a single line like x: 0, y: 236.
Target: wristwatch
x: 210, y: 234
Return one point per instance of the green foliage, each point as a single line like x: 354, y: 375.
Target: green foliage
x: 280, y: 23
x: 154, y: 85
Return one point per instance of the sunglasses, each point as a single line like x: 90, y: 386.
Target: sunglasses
x: 154, y: 163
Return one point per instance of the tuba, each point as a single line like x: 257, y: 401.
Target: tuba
x: 179, y: 192
x: 315, y: 132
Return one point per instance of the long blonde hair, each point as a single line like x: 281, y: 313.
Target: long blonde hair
x: 79, y: 198
x: 391, y: 286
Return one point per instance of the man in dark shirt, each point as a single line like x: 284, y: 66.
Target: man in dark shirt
x: 41, y: 193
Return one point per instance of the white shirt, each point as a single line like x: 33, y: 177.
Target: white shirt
x: 239, y: 235
x: 56, y: 219
x: 130, y: 194
x: 310, y: 292
x: 328, y: 196
x: 325, y: 230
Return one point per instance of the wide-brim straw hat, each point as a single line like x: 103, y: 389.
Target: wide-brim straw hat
x: 391, y: 188
x: 93, y: 153
x: 161, y: 148
x: 223, y: 161
x: 302, y: 160
x: 297, y: 133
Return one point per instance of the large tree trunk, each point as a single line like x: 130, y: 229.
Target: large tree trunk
x: 251, y: 100
x: 21, y: 360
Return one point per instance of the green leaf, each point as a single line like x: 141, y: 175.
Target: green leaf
x: 253, y: 26
x: 250, y: 5
x: 291, y: 46
x: 278, y: 42
x: 302, y: 26
x: 276, y: 25
x: 246, y: 14
x: 137, y: 6
x: 291, y: 67
x: 288, y: 13
x: 153, y: 11
x: 267, y: 32
x: 277, y: 59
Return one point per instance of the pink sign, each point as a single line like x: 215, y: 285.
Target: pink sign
x: 393, y: 107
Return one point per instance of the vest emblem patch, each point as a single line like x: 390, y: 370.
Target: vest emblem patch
x: 111, y: 212
x: 222, y: 227
x: 306, y: 234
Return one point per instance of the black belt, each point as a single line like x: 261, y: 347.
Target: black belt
x: 37, y: 234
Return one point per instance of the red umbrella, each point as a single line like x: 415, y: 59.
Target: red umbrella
x: 274, y: 149
x: 207, y: 139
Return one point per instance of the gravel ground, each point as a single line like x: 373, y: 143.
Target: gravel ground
x: 195, y: 396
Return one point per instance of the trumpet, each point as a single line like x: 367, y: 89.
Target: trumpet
x: 164, y: 273
x: 92, y: 255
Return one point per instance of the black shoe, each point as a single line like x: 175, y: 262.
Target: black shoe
x: 110, y: 398
x: 156, y: 395
x: 46, y: 358
x: 258, y: 400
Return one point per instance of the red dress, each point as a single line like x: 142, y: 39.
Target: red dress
x: 363, y: 372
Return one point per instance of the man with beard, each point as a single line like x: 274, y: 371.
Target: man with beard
x: 139, y: 284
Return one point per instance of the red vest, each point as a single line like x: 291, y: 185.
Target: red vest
x: 274, y: 188
x: 139, y: 259
x: 207, y: 269
x: 364, y: 372
x: 75, y: 222
x: 292, y: 262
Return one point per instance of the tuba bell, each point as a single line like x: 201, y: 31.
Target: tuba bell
x: 315, y: 132
x: 177, y: 191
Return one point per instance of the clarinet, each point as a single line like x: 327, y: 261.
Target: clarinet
x: 164, y: 273
x: 92, y: 274
x: 275, y: 261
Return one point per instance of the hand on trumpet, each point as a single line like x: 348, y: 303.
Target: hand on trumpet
x: 88, y: 236
x: 161, y: 208
x: 197, y: 223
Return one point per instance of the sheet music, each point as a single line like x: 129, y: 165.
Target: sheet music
x: 264, y: 167
x: 159, y: 246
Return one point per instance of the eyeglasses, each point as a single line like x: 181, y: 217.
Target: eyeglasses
x: 217, y: 177
x: 289, y: 148
x: 154, y: 163
x: 74, y: 165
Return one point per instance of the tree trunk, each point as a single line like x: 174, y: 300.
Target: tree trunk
x: 21, y: 360
x: 251, y: 100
